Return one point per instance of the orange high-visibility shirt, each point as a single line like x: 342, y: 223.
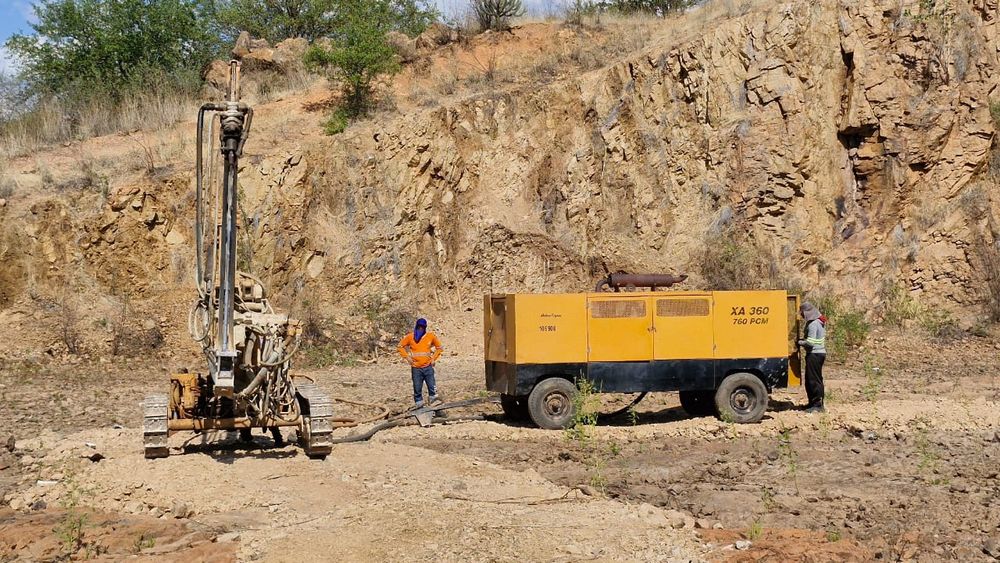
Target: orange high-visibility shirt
x: 420, y: 352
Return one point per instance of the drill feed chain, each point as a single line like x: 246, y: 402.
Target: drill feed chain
x: 317, y: 424
x: 154, y: 425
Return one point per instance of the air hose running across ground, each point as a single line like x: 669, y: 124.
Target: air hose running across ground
x: 422, y: 415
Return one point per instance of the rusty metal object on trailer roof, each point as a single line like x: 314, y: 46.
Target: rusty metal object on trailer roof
x: 617, y: 282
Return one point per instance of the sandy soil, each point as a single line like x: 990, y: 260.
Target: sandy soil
x: 903, y: 466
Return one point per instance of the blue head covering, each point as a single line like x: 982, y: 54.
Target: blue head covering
x: 420, y: 329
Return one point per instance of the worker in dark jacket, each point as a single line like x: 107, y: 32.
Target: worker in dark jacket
x: 815, y: 345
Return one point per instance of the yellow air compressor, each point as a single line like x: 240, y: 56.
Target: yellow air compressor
x: 723, y: 351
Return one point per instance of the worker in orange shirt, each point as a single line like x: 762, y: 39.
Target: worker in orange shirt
x: 421, y: 348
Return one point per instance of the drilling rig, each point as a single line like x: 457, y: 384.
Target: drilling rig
x: 248, y: 346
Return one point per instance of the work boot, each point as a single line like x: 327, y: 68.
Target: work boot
x: 418, y: 405
x: 434, y: 400
x: 279, y: 441
x: 814, y: 409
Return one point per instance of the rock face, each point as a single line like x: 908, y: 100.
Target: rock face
x: 854, y: 140
x: 844, y: 136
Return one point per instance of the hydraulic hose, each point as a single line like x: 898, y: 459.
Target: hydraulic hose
x: 199, y: 214
x: 394, y: 423
x: 193, y: 322
x: 197, y: 198
x: 246, y: 130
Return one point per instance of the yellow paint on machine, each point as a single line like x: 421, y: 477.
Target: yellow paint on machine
x: 641, y: 326
x: 620, y: 328
x: 751, y: 324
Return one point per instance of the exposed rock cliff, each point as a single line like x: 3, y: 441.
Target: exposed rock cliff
x: 854, y: 141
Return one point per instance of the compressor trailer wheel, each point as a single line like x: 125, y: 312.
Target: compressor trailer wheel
x: 550, y: 403
x: 742, y: 398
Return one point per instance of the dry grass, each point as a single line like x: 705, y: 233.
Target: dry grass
x: 147, y: 111
x: 52, y: 123
x: 733, y: 260
x: 976, y: 205
x: 7, y: 184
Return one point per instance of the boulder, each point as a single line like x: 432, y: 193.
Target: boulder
x: 288, y: 54
x: 217, y: 75
x: 242, y: 46
x: 260, y: 60
x: 436, y: 35
x: 404, y: 46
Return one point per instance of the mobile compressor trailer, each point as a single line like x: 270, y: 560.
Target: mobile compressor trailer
x: 724, y: 351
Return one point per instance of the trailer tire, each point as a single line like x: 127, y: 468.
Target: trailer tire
x: 742, y: 398
x: 699, y: 403
x: 515, y: 407
x: 550, y: 403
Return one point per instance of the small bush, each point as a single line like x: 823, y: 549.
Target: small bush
x: 324, y: 344
x: 975, y: 203
x: 873, y: 380
x: 586, y: 403
x: 495, y: 15
x: 940, y: 324
x: 850, y: 330
x: 359, y: 55
x: 143, y: 542
x: 336, y: 123
x: 897, y: 306
x: 733, y: 261
x: 383, y: 322
x: 70, y: 532
x: 578, y: 10
x: 661, y: 8
x: 69, y: 325
x: 995, y: 113
x: 846, y: 328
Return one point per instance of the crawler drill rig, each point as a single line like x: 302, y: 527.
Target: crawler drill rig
x: 248, y: 346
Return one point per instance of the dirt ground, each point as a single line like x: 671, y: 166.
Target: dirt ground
x: 904, y: 466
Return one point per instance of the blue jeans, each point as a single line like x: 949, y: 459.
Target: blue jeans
x: 420, y: 375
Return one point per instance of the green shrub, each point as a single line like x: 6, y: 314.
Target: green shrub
x: 324, y: 344
x: 359, y: 54
x: 586, y: 403
x: 897, y: 306
x: 940, y: 324
x: 850, y: 330
x: 336, y: 123
x: 661, y: 8
x: 873, y: 380
x: 846, y: 328
x: 276, y: 20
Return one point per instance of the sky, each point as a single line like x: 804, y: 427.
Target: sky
x: 14, y: 17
